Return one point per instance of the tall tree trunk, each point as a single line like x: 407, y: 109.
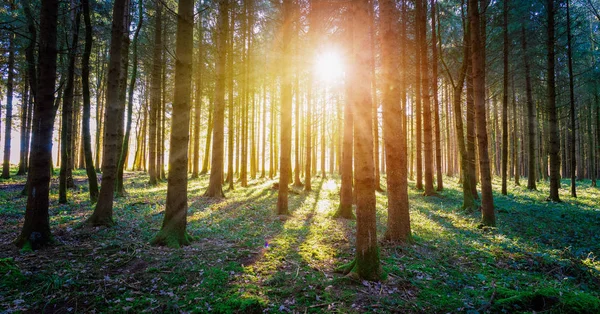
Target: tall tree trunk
x: 113, y: 115
x: 312, y: 31
x: 231, y: 111
x: 36, y: 227
x: 571, y: 101
x: 398, y: 223
x: 436, y: 103
x: 531, y: 185
x: 155, y: 96
x: 471, y: 153
x: 9, y: 101
x: 553, y: 136
x: 373, y: 76
x: 209, y: 136
x: 24, y: 141
x: 345, y: 208
x: 66, y: 148
x: 516, y: 139
x: 478, y: 61
x: 215, y: 185
x: 366, y: 264
x: 173, y: 232
x: 505, y: 97
x: 286, y: 112
x: 134, y: 70
x: 85, y: 126
x: 426, y: 97
x: 198, y: 100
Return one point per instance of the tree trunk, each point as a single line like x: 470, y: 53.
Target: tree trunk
x: 230, y: 113
x: 553, y: 136
x: 531, y: 185
x: 155, y: 96
x: 215, y: 185
x: 173, y: 232
x: 113, y: 115
x: 24, y: 140
x: 366, y: 265
x: 345, y: 208
x: 198, y: 100
x: 572, y: 102
x: 286, y: 112
x: 134, y: 70
x: 505, y: 48
x: 36, y: 227
x: 85, y: 121
x: 9, y: 101
x: 67, y: 149
x: 426, y: 101
x: 478, y: 61
x: 398, y: 223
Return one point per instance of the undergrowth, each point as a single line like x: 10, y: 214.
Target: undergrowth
x: 245, y: 259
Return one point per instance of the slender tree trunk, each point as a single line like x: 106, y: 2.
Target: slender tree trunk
x: 231, y: 111
x: 286, y: 112
x: 24, y: 142
x: 155, y: 96
x: 215, y: 186
x: 531, y: 185
x: 113, y: 115
x: 478, y: 61
x: 571, y: 101
x: 373, y: 77
x: 36, y: 227
x: 424, y: 68
x: 9, y: 101
x: 367, y: 265
x: 345, y: 208
x: 198, y: 99
x: 66, y: 155
x: 134, y: 70
x: 505, y: 48
x: 436, y: 104
x: 173, y: 232
x: 85, y: 126
x: 553, y: 136
x: 398, y: 223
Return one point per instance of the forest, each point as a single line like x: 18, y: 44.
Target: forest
x: 300, y: 156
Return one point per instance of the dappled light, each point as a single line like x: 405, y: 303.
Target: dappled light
x: 300, y: 156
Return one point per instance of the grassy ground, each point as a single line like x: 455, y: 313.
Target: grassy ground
x: 542, y: 256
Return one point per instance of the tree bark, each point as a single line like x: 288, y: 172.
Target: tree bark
x: 215, y: 185
x: 173, y: 232
x: 553, y: 136
x: 36, y: 227
x: 155, y: 97
x: 531, y: 185
x: 505, y: 97
x: 85, y: 71
x: 66, y: 147
x: 134, y: 70
x: 366, y: 265
x: 286, y: 112
x: 102, y: 215
x: 398, y: 223
x: 9, y: 101
x: 478, y: 61
x: 571, y: 102
x: 198, y: 100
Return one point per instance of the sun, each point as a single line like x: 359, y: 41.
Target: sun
x: 329, y: 66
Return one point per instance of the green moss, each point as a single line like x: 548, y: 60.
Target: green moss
x: 172, y: 238
x: 546, y: 299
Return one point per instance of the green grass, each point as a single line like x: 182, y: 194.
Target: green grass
x: 541, y: 257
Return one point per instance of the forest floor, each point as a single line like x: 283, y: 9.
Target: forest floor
x: 542, y: 256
